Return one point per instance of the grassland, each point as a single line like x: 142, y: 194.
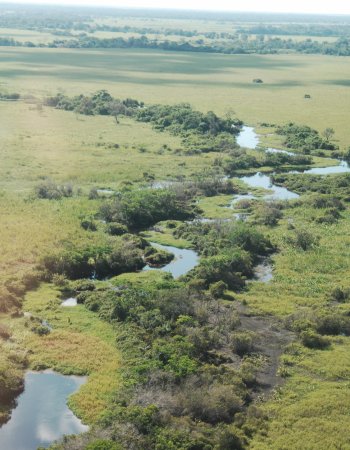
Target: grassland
x: 207, y: 81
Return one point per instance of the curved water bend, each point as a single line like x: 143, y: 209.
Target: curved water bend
x: 248, y: 138
x: 42, y: 415
x: 184, y: 261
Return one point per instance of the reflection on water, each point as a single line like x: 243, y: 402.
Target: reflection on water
x: 342, y: 168
x: 184, y: 261
x: 42, y: 415
x: 247, y: 138
x: 277, y: 150
x: 261, y: 180
x: 70, y: 302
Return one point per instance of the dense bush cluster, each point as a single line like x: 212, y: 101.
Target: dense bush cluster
x: 241, y: 160
x: 304, y: 138
x: 120, y: 254
x: 100, y: 103
x: 335, y: 186
x: 140, y: 209
x: 181, y: 119
x: 228, y: 251
x: 179, y: 389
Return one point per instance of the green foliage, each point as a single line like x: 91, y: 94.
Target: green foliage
x: 330, y: 189
x: 142, y: 208
x: 303, y: 239
x: 100, y: 103
x: 118, y: 256
x: 218, y: 289
x: 314, y: 340
x: 157, y: 257
x: 116, y: 229
x: 102, y: 444
x: 304, y: 138
x: 340, y: 295
x: 268, y: 214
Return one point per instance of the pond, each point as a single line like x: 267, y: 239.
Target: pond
x: 42, y: 415
x: 184, y: 261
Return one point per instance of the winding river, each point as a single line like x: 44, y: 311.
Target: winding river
x: 42, y: 415
x: 249, y: 139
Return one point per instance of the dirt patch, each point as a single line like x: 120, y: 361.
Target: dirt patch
x: 271, y: 340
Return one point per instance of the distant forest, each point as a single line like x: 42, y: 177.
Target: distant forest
x: 260, y: 34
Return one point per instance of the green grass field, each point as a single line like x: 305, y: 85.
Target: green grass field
x: 207, y: 81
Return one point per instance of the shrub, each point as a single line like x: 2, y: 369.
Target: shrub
x: 52, y: 191
x: 242, y: 342
x: 88, y: 224
x: 268, y: 214
x: 333, y: 324
x: 116, y: 229
x: 218, y: 289
x: 157, y: 258
x: 303, y: 239
x: 212, y: 404
x: 5, y: 332
x: 340, y: 295
x: 142, y: 208
x: 314, y: 340
x: 102, y: 444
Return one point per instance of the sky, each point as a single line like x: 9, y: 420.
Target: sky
x: 295, y: 6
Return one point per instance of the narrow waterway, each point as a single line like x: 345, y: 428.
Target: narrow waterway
x: 249, y: 139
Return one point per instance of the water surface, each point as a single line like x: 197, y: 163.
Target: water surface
x: 184, y: 261
x: 42, y: 415
x: 69, y: 302
x: 247, y: 138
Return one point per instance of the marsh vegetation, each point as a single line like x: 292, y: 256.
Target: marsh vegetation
x: 198, y: 280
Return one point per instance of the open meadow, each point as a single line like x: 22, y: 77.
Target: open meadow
x: 207, y: 81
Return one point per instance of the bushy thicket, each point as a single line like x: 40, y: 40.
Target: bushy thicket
x: 140, y: 209
x: 200, y: 132
x: 240, y: 160
x: 304, y: 138
x: 120, y: 254
x: 336, y: 186
x: 99, y: 103
x: 228, y: 251
x: 178, y: 388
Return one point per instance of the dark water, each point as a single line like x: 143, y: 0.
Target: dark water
x: 184, y: 260
x: 42, y: 415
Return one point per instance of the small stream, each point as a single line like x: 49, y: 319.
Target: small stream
x: 42, y: 415
x: 249, y: 139
x: 263, y: 272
